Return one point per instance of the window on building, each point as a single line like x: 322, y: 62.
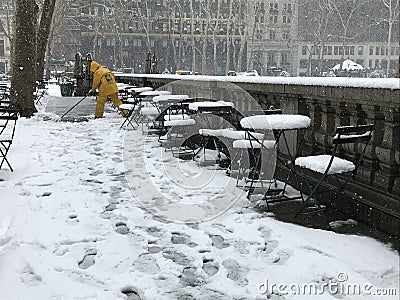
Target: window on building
x: 287, y: 7
x: 392, y: 50
x: 286, y: 36
x: 336, y: 50
x: 377, y: 49
x: 340, y: 50
x: 382, y: 50
x: 351, y: 50
x: 371, y: 51
x: 377, y: 63
x: 2, y: 48
x: 126, y: 42
x: 329, y: 50
x: 360, y: 50
x: 151, y: 42
x: 304, y: 50
x: 272, y: 35
x: 384, y: 64
x: 370, y: 63
x: 397, y: 50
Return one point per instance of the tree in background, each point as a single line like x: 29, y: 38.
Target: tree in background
x: 43, y: 34
x: 30, y: 38
x: 392, y: 16
x: 23, y: 82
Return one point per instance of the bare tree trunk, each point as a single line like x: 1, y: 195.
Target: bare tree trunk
x: 43, y: 36
x: 228, y: 37
x: 23, y: 76
x: 192, y: 37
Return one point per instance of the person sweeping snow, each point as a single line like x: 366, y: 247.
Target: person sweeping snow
x: 104, y: 81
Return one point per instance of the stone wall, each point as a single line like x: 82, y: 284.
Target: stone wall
x: 374, y: 197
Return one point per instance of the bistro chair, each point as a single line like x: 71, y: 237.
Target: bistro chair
x: 329, y: 170
x: 8, y: 122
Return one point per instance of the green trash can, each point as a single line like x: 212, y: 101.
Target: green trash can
x: 67, y: 88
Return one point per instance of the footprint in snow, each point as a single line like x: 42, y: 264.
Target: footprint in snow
x: 146, y: 264
x: 282, y: 256
x: 190, y: 277
x: 181, y: 238
x: 73, y: 218
x: 218, y: 241
x: 210, y: 267
x: 88, y: 259
x: 177, y: 257
x: 131, y: 293
x: 121, y: 228
x: 110, y: 207
x: 236, y: 272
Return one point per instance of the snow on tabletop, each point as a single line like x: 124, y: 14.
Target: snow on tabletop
x: 141, y: 89
x: 230, y: 133
x: 195, y: 105
x: 127, y: 106
x: 182, y: 122
x: 149, y: 110
x: 247, y: 144
x: 70, y: 227
x: 265, y: 122
x: 176, y: 117
x: 319, y: 163
x: 154, y: 93
x: 166, y: 98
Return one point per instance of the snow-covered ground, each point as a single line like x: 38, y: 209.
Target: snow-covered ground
x: 71, y: 228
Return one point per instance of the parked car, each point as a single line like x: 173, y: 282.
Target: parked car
x: 232, y: 73
x: 183, y: 72
x: 276, y: 71
x: 250, y: 73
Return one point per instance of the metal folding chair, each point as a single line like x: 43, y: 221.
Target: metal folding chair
x: 330, y: 169
x: 8, y: 121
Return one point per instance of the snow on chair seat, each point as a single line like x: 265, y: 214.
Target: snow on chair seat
x: 129, y: 115
x: 127, y: 106
x: 324, y: 167
x: 320, y: 163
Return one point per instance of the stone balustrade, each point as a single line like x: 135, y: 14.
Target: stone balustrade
x: 374, y: 197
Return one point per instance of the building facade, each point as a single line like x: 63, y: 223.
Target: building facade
x: 5, y: 30
x: 303, y: 37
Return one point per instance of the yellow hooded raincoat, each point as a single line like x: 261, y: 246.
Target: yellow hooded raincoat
x: 103, y: 80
